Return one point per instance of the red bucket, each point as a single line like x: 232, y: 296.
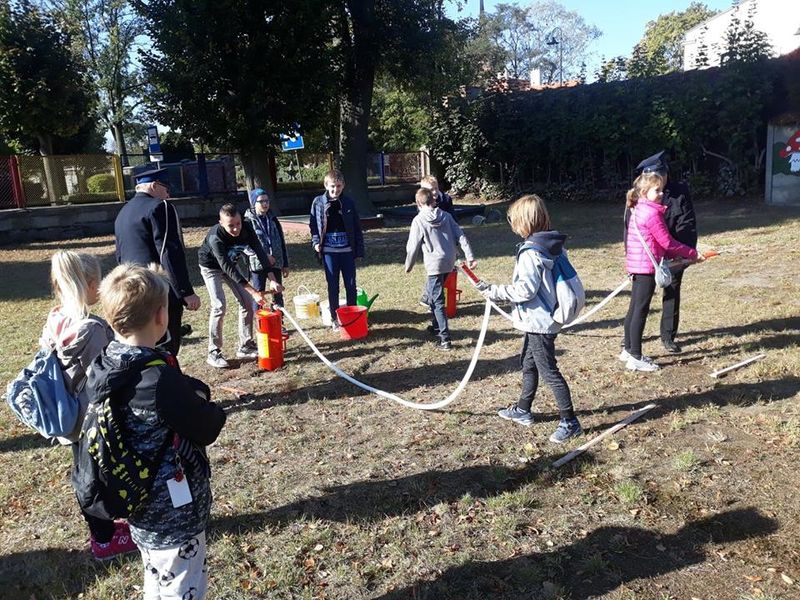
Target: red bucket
x: 353, y: 321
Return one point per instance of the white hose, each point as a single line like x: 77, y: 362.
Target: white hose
x: 600, y: 304
x: 580, y: 319
x: 416, y: 405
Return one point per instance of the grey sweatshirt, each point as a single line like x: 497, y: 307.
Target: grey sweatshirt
x: 437, y: 233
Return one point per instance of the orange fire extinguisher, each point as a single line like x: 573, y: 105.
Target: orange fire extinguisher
x: 451, y: 295
x: 270, y: 339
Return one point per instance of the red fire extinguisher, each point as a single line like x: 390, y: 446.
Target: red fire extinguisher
x: 270, y: 339
x: 451, y: 295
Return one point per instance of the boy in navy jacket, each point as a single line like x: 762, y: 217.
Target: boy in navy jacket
x: 337, y: 239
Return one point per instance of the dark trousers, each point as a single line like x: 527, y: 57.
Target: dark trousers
x: 171, y: 342
x: 434, y: 293
x: 538, y: 356
x: 671, y: 307
x: 642, y: 290
x: 258, y: 279
x: 337, y: 263
x: 102, y: 530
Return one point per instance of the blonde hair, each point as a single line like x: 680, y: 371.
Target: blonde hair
x: 429, y: 179
x: 528, y: 215
x: 71, y: 275
x: 333, y: 175
x: 131, y: 295
x: 423, y: 197
x: 641, y: 185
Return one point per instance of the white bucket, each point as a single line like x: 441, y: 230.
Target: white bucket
x: 325, y: 311
x: 306, y: 305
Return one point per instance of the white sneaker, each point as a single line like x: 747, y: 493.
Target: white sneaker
x: 641, y: 364
x: 624, y: 355
x: 216, y: 360
x: 249, y: 350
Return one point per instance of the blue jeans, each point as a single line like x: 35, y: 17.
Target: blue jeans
x: 434, y: 292
x: 343, y: 263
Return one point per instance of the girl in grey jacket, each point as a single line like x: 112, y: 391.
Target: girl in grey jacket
x: 532, y: 289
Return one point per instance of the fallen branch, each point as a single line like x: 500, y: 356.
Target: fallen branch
x: 738, y: 365
x: 581, y: 449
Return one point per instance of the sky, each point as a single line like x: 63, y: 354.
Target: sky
x: 622, y: 21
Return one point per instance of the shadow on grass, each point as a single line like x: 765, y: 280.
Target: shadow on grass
x: 26, y: 441
x: 51, y: 573
x: 737, y: 394
x: 394, y: 380
x: 379, y: 498
x: 595, y: 565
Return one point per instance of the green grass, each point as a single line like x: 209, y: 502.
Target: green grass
x: 324, y: 491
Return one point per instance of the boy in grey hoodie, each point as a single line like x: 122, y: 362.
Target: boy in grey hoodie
x: 436, y: 233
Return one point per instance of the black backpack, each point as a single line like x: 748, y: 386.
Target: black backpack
x: 111, y: 480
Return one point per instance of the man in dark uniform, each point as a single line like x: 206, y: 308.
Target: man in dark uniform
x: 682, y: 225
x: 148, y: 231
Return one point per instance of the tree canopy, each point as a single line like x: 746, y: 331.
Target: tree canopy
x: 43, y: 92
x: 235, y: 74
x: 660, y: 51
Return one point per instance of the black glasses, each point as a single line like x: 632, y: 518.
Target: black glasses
x: 263, y: 201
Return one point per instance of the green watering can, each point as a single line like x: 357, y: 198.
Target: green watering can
x: 363, y: 300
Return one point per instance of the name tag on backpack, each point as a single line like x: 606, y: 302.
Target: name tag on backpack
x: 179, y: 491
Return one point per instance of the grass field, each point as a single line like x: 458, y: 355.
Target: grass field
x: 323, y: 491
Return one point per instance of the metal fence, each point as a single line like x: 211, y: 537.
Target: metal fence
x: 88, y: 178
x: 54, y: 180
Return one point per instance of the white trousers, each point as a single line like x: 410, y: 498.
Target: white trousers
x: 177, y: 573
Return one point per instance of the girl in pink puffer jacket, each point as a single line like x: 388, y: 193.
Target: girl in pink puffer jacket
x: 646, y: 211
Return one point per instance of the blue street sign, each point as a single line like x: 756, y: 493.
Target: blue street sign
x: 291, y: 142
x: 153, y: 143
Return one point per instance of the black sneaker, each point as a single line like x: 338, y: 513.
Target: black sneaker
x: 445, y: 345
x: 186, y: 329
x: 671, y: 347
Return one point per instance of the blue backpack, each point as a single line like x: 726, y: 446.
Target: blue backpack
x: 568, y: 288
x: 39, y: 397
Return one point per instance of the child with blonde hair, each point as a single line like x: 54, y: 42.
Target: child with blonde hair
x: 532, y: 291
x: 79, y: 337
x: 647, y: 235
x: 337, y: 239
x: 166, y: 418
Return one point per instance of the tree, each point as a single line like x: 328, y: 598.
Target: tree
x: 43, y: 93
x: 571, y: 49
x: 104, y: 34
x: 743, y: 42
x: 235, y: 74
x: 399, y: 121
x: 512, y: 32
x: 660, y: 51
x: 614, y: 69
x: 403, y: 39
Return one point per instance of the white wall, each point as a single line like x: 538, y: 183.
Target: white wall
x: 779, y: 19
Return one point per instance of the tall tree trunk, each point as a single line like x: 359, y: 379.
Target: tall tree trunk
x: 53, y: 173
x: 355, y: 104
x: 119, y: 142
x: 257, y: 175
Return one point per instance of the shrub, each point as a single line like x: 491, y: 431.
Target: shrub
x: 102, y: 182
x: 92, y: 198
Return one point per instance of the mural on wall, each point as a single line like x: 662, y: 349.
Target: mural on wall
x: 786, y: 157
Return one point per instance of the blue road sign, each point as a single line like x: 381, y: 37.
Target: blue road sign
x: 153, y: 143
x: 291, y: 142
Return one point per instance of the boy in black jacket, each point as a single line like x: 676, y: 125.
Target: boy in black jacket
x: 167, y: 417
x: 222, y: 261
